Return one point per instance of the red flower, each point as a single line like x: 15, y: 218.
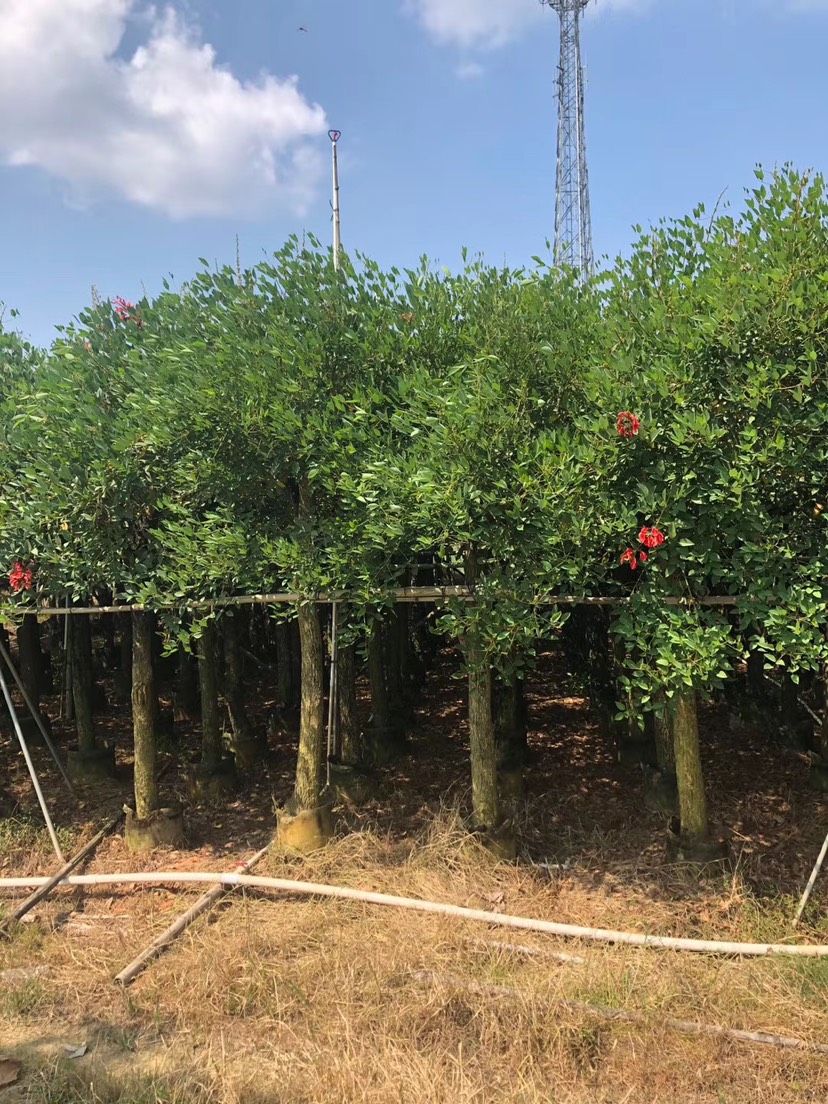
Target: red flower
x: 409, y: 318
x: 627, y: 424
x: 20, y: 577
x: 126, y: 311
x: 630, y: 558
x: 651, y: 538
x: 643, y: 557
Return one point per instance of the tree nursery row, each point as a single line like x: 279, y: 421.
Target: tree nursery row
x: 656, y: 438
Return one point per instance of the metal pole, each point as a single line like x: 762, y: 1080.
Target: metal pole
x: 817, y: 867
x: 30, y: 765
x: 334, y: 136
x: 36, y: 715
x: 332, y: 687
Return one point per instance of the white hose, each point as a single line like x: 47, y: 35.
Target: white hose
x: 313, y: 889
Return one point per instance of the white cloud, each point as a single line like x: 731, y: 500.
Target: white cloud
x: 476, y: 23
x: 470, y: 70
x: 166, y: 127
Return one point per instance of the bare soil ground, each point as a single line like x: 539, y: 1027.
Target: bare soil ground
x: 299, y: 1001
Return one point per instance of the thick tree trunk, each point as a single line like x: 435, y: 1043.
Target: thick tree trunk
x: 380, y: 713
x: 143, y: 715
x: 350, y: 738
x: 30, y: 657
x: 482, y: 745
x: 233, y: 679
x: 211, y: 749
x: 692, y: 800
x: 510, y: 719
x: 308, y: 791
x: 81, y: 647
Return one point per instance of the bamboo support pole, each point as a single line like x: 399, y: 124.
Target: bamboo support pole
x: 413, y: 595
x: 37, y: 717
x: 43, y: 891
x: 685, y: 1027
x: 497, y: 919
x: 32, y: 772
x: 811, y: 881
x: 205, y: 902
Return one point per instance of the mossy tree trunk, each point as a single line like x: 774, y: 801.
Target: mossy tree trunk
x: 309, y: 763
x: 81, y: 646
x: 30, y: 657
x: 143, y: 715
x: 482, y: 745
x: 124, y: 679
x: 234, y: 678
x: 692, y: 800
x: 662, y: 729
x: 211, y: 749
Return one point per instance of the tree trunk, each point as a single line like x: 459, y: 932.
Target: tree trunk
x: 143, y: 715
x: 81, y: 646
x: 380, y: 714
x: 391, y: 656
x: 308, y: 791
x: 211, y: 749
x: 692, y: 801
x: 285, y: 670
x: 482, y: 738
x: 350, y: 739
x: 233, y: 679
x: 665, y: 751
x: 756, y: 674
x: 30, y: 657
x: 187, y: 697
x: 124, y: 680
x: 510, y: 719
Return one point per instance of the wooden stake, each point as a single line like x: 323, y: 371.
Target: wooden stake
x: 56, y: 879
x: 206, y: 901
x: 814, y: 874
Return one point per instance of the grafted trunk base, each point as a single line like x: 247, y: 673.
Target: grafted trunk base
x: 164, y: 828
x: 83, y: 764
x: 306, y: 831
x: 352, y: 782
x: 208, y: 786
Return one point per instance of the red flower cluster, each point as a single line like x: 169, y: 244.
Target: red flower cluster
x: 409, y: 318
x: 651, y: 538
x: 627, y: 424
x: 126, y: 311
x: 20, y: 577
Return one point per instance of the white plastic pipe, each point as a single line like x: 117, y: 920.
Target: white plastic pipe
x: 314, y: 889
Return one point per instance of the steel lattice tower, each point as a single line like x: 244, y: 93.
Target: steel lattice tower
x: 573, y: 224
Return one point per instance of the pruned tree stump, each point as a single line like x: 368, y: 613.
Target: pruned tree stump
x: 305, y: 831
x: 206, y: 786
x: 164, y: 828
x: 91, y: 764
x: 352, y: 782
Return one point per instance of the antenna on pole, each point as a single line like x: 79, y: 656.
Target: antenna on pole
x: 573, y: 221
x: 334, y: 136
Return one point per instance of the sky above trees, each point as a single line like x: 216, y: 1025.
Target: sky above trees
x: 136, y: 138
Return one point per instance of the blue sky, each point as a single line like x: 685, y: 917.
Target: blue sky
x: 135, y: 139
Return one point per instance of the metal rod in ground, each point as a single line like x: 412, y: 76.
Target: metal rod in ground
x: 206, y: 901
x: 37, y: 717
x: 332, y: 688
x: 811, y: 881
x: 44, y: 890
x: 32, y: 773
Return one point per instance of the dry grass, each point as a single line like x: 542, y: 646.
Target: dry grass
x: 297, y: 1001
